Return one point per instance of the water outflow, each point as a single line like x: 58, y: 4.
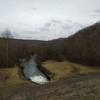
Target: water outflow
x: 32, y: 72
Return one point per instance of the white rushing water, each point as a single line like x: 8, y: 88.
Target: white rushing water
x: 32, y: 72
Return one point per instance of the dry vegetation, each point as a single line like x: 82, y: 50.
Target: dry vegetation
x: 60, y: 70
x: 65, y: 69
x: 78, y: 87
x: 83, y: 47
x: 9, y: 77
x: 73, y: 81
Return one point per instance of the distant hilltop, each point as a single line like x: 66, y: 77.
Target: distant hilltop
x: 82, y: 47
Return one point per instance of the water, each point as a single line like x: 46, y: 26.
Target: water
x: 32, y: 72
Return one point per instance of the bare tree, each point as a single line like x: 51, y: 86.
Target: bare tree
x: 7, y: 34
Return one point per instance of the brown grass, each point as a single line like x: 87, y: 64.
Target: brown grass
x: 17, y: 88
x: 66, y: 68
x: 9, y: 77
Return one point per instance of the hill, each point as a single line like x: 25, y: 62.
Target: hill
x: 82, y: 47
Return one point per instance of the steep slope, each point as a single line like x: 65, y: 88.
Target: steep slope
x: 84, y: 46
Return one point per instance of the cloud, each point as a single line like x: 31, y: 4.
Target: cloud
x: 50, y: 25
x: 56, y: 21
x: 34, y: 8
x: 47, y: 18
x: 53, y: 29
x: 96, y: 13
x: 97, y: 10
x: 56, y: 29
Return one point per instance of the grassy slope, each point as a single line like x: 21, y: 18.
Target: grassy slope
x: 61, y: 70
x: 66, y: 68
x: 78, y: 87
x: 10, y: 76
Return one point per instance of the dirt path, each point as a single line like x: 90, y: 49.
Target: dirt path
x: 79, y: 87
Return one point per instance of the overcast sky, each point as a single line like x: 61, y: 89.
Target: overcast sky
x: 47, y: 19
